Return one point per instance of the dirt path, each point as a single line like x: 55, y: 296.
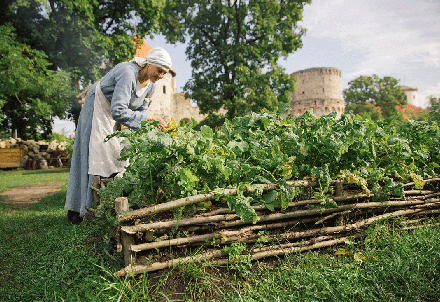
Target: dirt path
x: 29, y: 195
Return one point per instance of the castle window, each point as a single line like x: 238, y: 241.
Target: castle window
x: 303, y: 92
x: 323, y: 89
x: 164, y: 89
x: 326, y: 109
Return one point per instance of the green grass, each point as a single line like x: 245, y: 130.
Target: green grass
x: 400, y: 266
x: 44, y: 258
x: 24, y: 178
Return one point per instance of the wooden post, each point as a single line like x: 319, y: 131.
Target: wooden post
x: 96, y: 186
x: 339, y: 188
x: 127, y: 240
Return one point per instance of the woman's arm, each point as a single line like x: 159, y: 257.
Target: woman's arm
x: 125, y: 80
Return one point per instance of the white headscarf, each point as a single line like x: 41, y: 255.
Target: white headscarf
x: 157, y: 56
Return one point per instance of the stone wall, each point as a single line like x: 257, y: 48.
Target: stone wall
x: 183, y: 109
x: 161, y: 102
x: 167, y: 103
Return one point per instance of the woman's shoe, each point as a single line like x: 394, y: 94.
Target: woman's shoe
x: 74, y: 217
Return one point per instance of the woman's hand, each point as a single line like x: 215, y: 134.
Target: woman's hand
x: 118, y: 127
x: 162, y: 124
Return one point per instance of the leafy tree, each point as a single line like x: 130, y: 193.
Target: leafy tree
x: 383, y: 92
x: 79, y: 36
x: 234, y: 47
x: 30, y: 93
x: 434, y: 107
x: 364, y: 108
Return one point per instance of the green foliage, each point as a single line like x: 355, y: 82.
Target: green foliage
x: 234, y: 47
x: 265, y: 148
x: 383, y: 92
x: 393, y: 266
x: 31, y: 93
x: 58, y: 137
x: 79, y: 37
x: 364, y: 108
x: 434, y: 107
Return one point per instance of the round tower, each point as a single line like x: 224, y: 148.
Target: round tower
x: 411, y: 95
x: 318, y: 89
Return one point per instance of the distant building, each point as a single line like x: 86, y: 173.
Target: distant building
x: 411, y: 95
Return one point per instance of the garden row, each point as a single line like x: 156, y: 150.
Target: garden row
x: 262, y: 177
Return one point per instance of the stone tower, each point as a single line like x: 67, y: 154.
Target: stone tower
x: 318, y: 89
x: 411, y: 95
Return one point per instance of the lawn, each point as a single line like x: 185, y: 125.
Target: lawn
x: 24, y: 178
x: 44, y: 258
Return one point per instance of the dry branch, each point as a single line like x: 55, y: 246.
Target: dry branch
x: 225, y: 220
x: 219, y: 237
x: 247, y: 234
x: 301, y: 213
x: 425, y: 180
x: 257, y: 254
x: 418, y: 192
x: 204, y: 197
x: 138, y: 269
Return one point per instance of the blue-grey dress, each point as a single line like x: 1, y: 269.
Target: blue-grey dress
x: 119, y: 87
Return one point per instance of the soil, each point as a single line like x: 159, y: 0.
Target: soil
x: 22, y: 196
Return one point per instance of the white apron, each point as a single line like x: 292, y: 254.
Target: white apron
x: 103, y: 157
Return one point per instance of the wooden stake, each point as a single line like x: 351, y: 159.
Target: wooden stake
x: 127, y: 240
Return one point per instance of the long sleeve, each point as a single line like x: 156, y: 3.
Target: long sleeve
x: 124, y: 88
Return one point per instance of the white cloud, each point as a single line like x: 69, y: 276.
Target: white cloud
x: 424, y: 95
x: 398, y: 31
x: 64, y: 127
x: 394, y: 38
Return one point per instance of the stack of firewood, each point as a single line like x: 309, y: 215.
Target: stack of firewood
x: 39, y: 154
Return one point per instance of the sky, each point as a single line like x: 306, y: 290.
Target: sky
x: 396, y: 38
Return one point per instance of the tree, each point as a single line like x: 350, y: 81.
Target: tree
x: 385, y: 93
x: 234, y: 47
x: 364, y: 108
x: 80, y: 36
x: 30, y: 93
x: 434, y: 107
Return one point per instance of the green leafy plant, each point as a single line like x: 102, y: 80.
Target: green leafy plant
x: 264, y: 148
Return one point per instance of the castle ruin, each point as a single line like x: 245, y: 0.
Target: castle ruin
x: 318, y: 89
x: 167, y: 103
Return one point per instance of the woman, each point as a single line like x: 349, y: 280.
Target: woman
x: 119, y: 97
